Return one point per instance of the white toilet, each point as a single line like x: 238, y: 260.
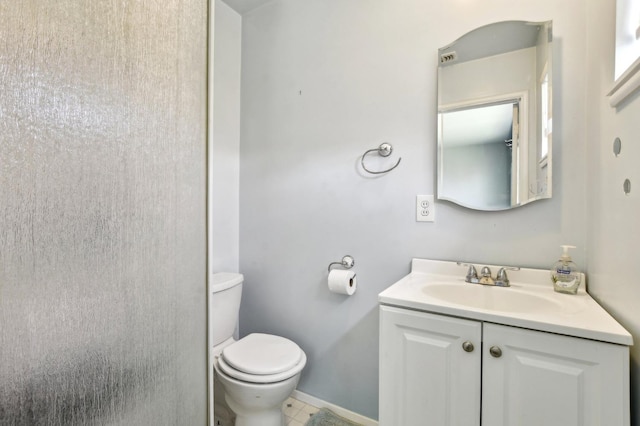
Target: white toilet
x: 257, y: 372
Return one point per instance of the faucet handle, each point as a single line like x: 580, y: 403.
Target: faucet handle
x: 472, y: 275
x: 501, y: 278
x: 511, y: 268
x: 502, y: 275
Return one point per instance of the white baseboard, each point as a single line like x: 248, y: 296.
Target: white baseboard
x: 316, y: 402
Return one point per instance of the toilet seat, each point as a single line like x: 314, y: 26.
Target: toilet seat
x: 262, y: 358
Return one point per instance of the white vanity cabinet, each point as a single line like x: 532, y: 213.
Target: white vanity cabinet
x: 538, y: 378
x: 442, y: 370
x: 413, y: 393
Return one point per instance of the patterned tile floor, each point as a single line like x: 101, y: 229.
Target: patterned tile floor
x: 297, y: 412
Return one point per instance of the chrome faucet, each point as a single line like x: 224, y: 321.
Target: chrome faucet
x: 472, y: 275
x: 501, y: 279
x: 486, y: 278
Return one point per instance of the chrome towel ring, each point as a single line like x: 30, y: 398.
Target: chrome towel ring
x: 384, y: 150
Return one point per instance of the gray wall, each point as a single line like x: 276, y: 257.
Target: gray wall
x: 224, y: 161
x: 102, y: 213
x: 613, y: 230
x: 321, y: 83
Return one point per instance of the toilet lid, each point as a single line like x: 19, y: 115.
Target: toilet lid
x: 223, y: 368
x: 262, y: 354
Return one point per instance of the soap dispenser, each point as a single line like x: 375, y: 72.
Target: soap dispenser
x: 565, y: 274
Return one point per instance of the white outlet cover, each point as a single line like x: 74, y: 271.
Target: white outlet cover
x: 425, y: 208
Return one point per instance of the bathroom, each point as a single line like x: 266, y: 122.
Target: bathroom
x: 321, y: 82
x: 369, y: 76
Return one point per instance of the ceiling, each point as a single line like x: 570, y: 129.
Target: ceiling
x: 475, y: 126
x: 244, y: 6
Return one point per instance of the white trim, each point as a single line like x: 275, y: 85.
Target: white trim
x: 210, y: 57
x: 628, y: 82
x: 316, y: 402
x: 485, y: 101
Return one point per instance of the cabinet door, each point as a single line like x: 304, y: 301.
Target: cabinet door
x: 547, y: 379
x: 426, y: 377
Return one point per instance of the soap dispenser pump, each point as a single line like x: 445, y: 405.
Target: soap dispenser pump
x: 565, y: 274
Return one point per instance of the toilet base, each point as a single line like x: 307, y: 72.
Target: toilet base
x: 265, y: 417
x: 257, y: 404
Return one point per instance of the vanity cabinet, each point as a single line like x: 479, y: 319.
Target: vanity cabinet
x: 442, y: 370
x: 426, y: 377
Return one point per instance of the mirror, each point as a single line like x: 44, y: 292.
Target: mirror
x: 495, y: 116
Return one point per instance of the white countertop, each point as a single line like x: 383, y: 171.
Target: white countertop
x: 439, y: 287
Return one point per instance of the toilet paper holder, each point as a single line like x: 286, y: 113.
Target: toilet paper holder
x: 347, y: 263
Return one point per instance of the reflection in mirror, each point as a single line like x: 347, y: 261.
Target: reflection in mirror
x: 495, y: 116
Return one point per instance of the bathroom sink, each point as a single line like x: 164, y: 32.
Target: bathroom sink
x: 439, y: 287
x: 506, y: 299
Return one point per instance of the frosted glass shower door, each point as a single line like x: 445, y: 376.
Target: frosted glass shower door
x: 102, y: 212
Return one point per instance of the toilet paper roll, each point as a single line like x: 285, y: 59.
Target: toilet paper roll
x: 342, y: 281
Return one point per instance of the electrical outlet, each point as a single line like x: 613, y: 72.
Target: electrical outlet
x: 425, y: 208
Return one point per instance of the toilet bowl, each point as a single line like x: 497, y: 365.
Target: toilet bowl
x: 258, y: 372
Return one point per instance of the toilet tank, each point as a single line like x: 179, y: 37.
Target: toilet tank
x: 226, y: 288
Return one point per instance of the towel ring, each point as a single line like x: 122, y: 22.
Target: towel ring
x: 347, y: 263
x: 384, y: 150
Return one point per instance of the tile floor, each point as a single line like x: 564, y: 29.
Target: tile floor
x: 297, y: 412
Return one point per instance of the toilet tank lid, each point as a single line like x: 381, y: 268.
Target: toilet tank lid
x: 224, y: 280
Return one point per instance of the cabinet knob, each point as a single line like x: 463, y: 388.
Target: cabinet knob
x: 467, y: 346
x: 495, y: 351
